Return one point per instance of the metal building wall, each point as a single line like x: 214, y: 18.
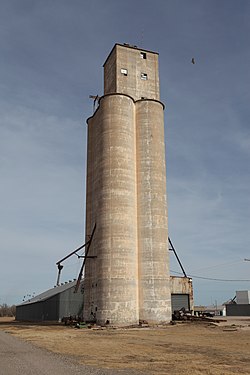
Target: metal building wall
x: 54, y: 308
x: 70, y: 303
x: 238, y: 310
x: 39, y: 311
x: 243, y: 297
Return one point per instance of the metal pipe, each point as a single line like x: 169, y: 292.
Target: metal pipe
x: 60, y: 267
x: 173, y: 249
x: 84, y: 261
x: 73, y: 252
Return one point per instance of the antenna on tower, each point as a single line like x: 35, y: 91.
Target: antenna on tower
x: 95, y: 98
x: 142, y: 37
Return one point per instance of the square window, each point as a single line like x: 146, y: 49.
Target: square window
x: 144, y: 76
x: 143, y: 55
x: 124, y: 72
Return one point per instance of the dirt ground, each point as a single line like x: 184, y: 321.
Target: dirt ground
x: 184, y: 348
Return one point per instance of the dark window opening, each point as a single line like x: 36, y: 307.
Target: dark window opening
x: 124, y: 72
x: 144, y: 76
x: 143, y: 55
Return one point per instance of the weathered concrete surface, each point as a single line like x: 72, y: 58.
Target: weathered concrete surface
x: 112, y: 280
x: 132, y: 84
x: 126, y: 196
x: 154, y: 287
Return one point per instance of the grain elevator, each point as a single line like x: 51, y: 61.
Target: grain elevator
x: 127, y: 272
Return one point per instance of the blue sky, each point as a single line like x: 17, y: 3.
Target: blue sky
x: 51, y: 61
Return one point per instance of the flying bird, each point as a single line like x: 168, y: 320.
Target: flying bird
x: 193, y: 62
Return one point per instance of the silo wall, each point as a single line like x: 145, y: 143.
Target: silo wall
x: 154, y: 281
x: 89, y: 274
x: 114, y: 284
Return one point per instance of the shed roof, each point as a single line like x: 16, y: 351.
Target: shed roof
x: 50, y: 293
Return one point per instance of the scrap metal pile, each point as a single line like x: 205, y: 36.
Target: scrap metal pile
x: 185, y: 315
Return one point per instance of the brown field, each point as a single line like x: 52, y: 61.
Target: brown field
x: 184, y: 348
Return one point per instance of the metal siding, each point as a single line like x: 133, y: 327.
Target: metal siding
x: 51, y: 308
x: 31, y: 312
x: 52, y: 304
x: 238, y: 310
x: 242, y: 297
x: 180, y: 300
x: 39, y: 311
x: 71, y: 303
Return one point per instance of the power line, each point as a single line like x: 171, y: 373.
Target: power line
x: 210, y: 278
x: 219, y: 265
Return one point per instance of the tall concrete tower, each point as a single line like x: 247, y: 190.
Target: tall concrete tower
x: 129, y: 279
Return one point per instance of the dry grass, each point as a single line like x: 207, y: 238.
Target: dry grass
x: 189, y: 348
x: 6, y: 319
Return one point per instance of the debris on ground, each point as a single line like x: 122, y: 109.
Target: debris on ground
x: 186, y: 315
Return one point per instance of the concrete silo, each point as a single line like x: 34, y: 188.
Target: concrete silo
x: 129, y: 280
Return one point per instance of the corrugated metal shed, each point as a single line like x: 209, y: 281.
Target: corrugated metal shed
x: 53, y: 305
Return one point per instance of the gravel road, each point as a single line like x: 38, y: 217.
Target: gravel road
x: 22, y: 358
